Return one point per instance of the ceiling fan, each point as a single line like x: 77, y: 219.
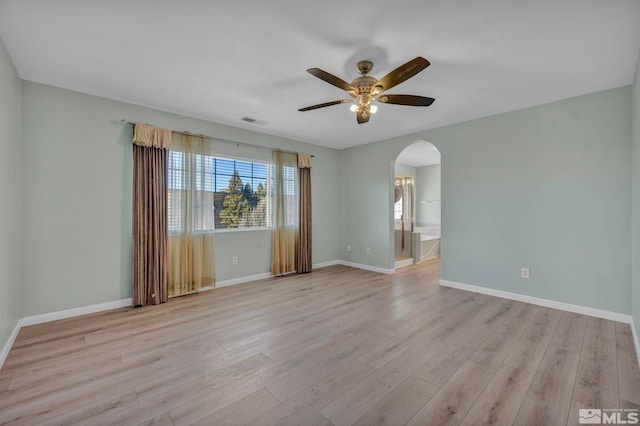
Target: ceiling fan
x: 365, y: 89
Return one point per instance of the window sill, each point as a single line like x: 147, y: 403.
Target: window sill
x: 227, y: 230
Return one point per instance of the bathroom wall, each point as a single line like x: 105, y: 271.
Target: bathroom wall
x: 428, y: 190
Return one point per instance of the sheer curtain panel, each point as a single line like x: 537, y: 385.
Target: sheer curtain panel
x: 284, y: 251
x: 191, y: 215
x: 149, y: 214
x: 304, y: 245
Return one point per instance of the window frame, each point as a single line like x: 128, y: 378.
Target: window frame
x: 268, y: 195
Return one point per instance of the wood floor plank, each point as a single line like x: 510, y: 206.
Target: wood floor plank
x: 316, y: 396
x: 399, y: 343
x: 4, y: 383
x: 331, y: 361
x: 93, y: 405
x: 601, y: 327
x: 451, y: 357
x: 316, y: 419
x: 597, y: 378
x: 69, y: 411
x: 570, y: 332
x: 340, y: 345
x: 400, y: 405
x: 39, y: 372
x: 243, y: 411
x: 219, y: 370
x: 628, y: 370
x: 362, y: 397
x: 498, y: 345
x: 574, y: 413
x: 212, y: 398
x: 162, y: 420
x: 496, y: 311
x: 626, y: 404
x: 207, y: 403
x: 6, y: 373
x: 500, y: 401
x: 549, y: 398
x: 71, y: 383
x: 532, y: 345
x: 453, y: 400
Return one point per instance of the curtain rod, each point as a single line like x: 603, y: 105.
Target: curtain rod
x: 184, y: 132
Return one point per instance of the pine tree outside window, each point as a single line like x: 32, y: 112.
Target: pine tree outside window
x: 237, y: 192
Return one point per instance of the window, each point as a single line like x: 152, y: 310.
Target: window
x: 231, y: 193
x: 397, y: 210
x: 290, y: 191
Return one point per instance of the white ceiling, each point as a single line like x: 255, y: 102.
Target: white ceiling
x: 225, y: 59
x: 419, y: 154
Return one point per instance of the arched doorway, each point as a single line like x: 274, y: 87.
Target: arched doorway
x: 416, y: 204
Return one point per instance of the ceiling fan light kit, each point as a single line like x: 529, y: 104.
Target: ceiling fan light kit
x: 366, y: 89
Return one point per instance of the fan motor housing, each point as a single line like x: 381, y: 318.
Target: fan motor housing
x: 364, y: 83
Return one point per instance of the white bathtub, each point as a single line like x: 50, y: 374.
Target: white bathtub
x: 429, y: 241
x: 428, y: 232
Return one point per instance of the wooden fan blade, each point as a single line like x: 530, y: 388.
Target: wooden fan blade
x: 405, y: 100
x: 326, y: 104
x: 332, y: 79
x: 402, y: 73
x: 362, y: 116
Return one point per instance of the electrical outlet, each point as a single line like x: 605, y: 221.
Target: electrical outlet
x: 234, y: 260
x: 348, y: 247
x: 524, y: 273
x: 368, y: 250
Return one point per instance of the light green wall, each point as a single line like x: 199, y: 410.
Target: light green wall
x: 77, y: 171
x: 635, y: 252
x: 10, y: 187
x: 367, y: 196
x: 404, y: 170
x: 428, y: 189
x: 547, y: 187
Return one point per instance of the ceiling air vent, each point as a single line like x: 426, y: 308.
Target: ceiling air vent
x: 254, y: 120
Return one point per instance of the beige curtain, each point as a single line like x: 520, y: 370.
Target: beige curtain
x: 304, y: 245
x: 149, y: 214
x: 191, y: 203
x: 284, y: 251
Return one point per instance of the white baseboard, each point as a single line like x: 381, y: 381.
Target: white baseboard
x: 241, y: 280
x: 636, y: 341
x: 367, y: 267
x: 585, y: 310
x: 402, y: 263
x: 9, y: 343
x: 264, y: 275
x: 74, y: 312
x: 58, y: 315
x: 355, y: 265
x: 325, y: 264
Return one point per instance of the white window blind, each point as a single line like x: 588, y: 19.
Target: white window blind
x: 232, y: 193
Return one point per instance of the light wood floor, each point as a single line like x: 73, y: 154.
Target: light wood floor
x: 338, y: 346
